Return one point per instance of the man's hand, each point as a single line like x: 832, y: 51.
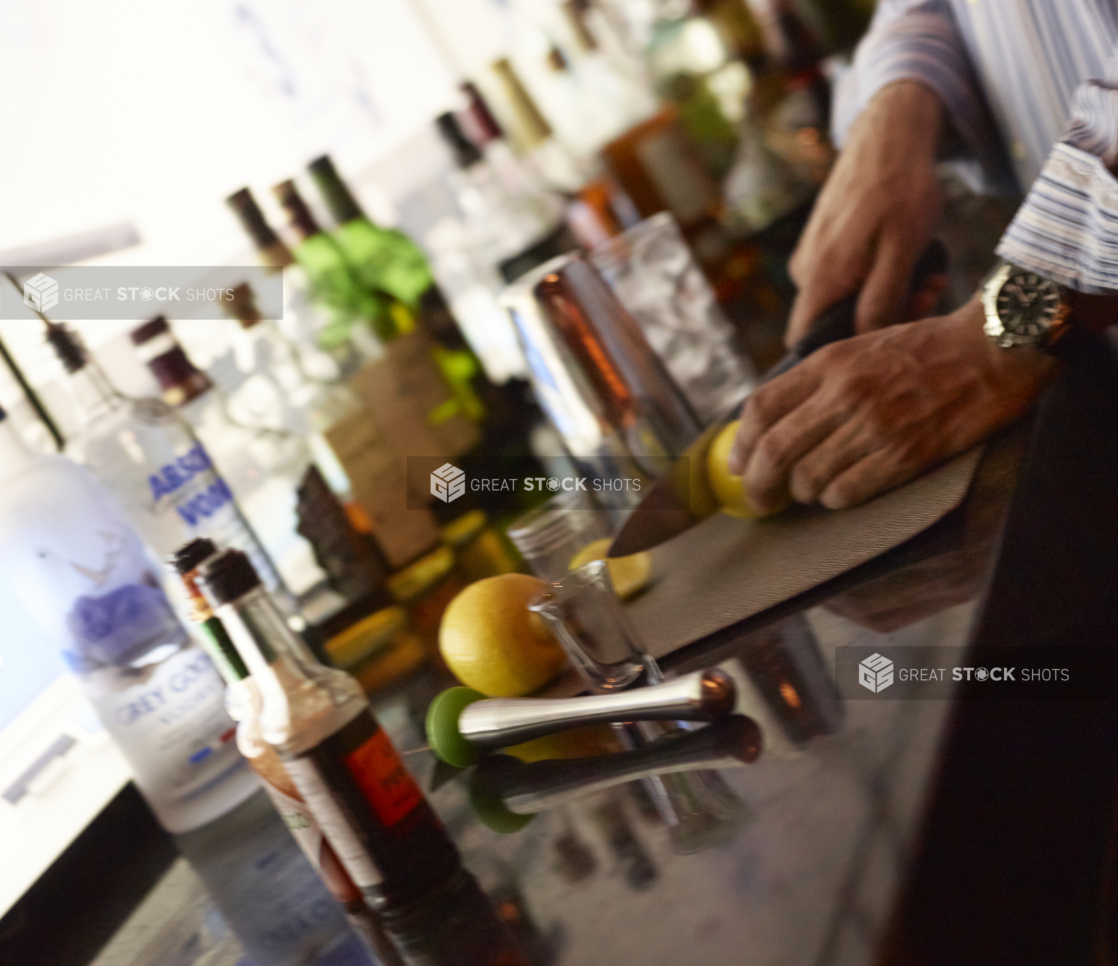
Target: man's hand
x: 874, y: 214
x: 863, y: 415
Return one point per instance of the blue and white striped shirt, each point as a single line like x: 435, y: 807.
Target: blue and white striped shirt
x: 1027, y: 83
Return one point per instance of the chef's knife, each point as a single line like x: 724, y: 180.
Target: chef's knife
x: 682, y: 497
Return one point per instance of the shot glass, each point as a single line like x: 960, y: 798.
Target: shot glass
x: 550, y: 535
x: 586, y: 617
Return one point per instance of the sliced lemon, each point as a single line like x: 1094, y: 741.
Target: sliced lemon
x: 726, y: 486
x: 628, y: 574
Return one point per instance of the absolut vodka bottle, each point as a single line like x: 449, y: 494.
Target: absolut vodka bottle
x: 149, y: 459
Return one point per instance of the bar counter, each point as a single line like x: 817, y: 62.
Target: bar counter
x: 896, y: 831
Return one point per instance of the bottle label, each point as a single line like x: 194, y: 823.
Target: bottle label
x: 121, y: 627
x: 358, y: 789
x: 169, y: 719
x: 194, y: 499
x: 306, y: 831
x: 381, y: 775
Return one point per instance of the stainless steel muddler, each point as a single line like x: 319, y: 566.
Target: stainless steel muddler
x: 526, y: 788
x: 498, y: 722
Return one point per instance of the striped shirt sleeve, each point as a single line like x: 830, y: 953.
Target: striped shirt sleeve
x: 1067, y: 227
x: 918, y: 40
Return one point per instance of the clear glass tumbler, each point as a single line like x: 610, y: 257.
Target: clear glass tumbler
x: 655, y: 276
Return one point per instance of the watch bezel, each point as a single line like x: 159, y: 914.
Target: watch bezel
x: 995, y: 328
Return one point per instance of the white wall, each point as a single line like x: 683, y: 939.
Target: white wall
x: 153, y: 111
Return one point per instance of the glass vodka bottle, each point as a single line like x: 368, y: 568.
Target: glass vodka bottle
x: 264, y: 466
x: 155, y: 466
x: 86, y: 578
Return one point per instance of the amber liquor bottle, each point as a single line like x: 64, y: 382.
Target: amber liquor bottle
x: 370, y: 809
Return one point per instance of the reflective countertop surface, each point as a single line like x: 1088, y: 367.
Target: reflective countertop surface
x: 951, y: 830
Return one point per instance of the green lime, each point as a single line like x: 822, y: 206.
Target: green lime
x: 443, y: 735
x: 486, y: 802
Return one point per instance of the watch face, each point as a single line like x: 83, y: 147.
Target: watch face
x: 1028, y: 304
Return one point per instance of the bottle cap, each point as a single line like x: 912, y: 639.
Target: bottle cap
x: 68, y: 346
x: 243, y: 307
x: 488, y: 127
x: 252, y: 218
x: 149, y: 330
x: 339, y: 199
x: 190, y: 556
x: 229, y: 576
x: 297, y: 211
x: 466, y: 155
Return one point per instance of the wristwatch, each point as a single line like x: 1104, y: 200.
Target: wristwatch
x: 1023, y: 308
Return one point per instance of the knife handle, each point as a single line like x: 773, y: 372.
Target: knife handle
x: 837, y: 322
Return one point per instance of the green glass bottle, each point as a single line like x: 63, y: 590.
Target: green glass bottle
x: 381, y: 258
x: 386, y: 260
x: 333, y: 279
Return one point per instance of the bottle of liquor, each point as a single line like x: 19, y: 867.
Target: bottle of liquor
x: 276, y: 390
x: 456, y: 924
x: 263, y: 465
x: 694, y: 68
x: 509, y: 232
x: 387, y: 260
x: 369, y: 807
x: 520, y: 175
x: 382, y: 259
x: 150, y: 459
x: 503, y: 224
x: 532, y: 130
x: 302, y: 319
x: 355, y: 307
x: 86, y: 579
x: 244, y: 704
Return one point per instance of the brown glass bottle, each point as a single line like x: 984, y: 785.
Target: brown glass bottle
x: 244, y: 702
x: 372, y: 812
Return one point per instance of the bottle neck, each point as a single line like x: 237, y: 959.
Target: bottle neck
x: 93, y: 392
x: 533, y: 126
x: 339, y: 199
x: 257, y: 615
x: 299, y: 215
x: 303, y: 702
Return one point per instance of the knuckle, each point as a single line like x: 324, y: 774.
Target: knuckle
x: 840, y: 495
x: 807, y: 482
x: 773, y: 448
x: 758, y: 409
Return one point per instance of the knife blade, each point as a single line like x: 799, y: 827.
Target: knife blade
x: 682, y: 497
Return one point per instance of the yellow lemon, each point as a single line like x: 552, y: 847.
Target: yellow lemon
x: 491, y: 641
x: 726, y: 486
x: 574, y: 743
x: 629, y: 574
